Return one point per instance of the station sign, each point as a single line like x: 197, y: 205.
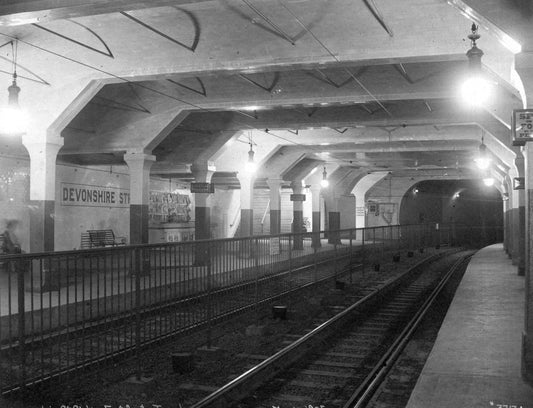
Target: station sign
x: 297, y: 197
x: 519, y: 183
x: 522, y: 126
x: 85, y: 195
x: 206, y: 188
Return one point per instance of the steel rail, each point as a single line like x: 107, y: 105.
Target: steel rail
x: 254, y: 377
x: 378, y: 374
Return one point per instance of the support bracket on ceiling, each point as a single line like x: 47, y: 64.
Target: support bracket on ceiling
x: 107, y: 51
x: 195, y: 23
x: 377, y: 15
x: 269, y: 88
x: 201, y: 91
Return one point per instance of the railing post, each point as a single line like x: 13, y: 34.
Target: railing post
x: 290, y: 268
x: 351, y: 255
x: 315, y: 263
x: 256, y: 268
x: 363, y: 256
x: 21, y: 318
x: 137, y: 253
x: 209, y: 298
x: 391, y: 244
x: 335, y: 262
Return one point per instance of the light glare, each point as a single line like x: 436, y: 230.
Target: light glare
x: 250, y: 167
x: 13, y: 120
x: 475, y: 91
x: 324, y: 183
x: 482, y: 163
x: 489, y: 181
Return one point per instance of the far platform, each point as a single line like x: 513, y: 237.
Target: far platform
x: 476, y: 359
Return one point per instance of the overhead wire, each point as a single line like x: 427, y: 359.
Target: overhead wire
x: 191, y: 104
x: 335, y: 58
x: 165, y: 94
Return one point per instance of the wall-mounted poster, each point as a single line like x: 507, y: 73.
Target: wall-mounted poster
x: 169, y: 207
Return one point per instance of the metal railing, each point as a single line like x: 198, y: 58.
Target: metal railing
x: 66, y: 311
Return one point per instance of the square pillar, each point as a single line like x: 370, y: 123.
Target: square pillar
x: 139, y: 165
x: 43, y: 157
x: 315, y: 206
x: 275, y: 205
x: 202, y: 213
x: 298, y: 214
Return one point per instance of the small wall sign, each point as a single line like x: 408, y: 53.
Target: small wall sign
x: 522, y: 126
x: 519, y: 183
x: 297, y: 197
x: 206, y: 188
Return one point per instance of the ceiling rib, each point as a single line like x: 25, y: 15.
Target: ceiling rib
x: 376, y: 13
x: 339, y: 130
x: 268, y: 89
x: 401, y: 69
x: 109, y: 103
x: 201, y: 92
x: 175, y: 41
x: 326, y: 79
x: 107, y: 53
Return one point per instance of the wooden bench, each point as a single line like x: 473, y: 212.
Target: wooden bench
x: 100, y: 239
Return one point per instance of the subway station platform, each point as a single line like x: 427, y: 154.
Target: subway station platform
x: 476, y: 359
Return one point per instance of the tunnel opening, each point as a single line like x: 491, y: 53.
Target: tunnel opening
x: 474, y: 210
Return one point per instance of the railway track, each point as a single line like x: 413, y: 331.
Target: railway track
x: 94, y: 344
x: 337, y: 363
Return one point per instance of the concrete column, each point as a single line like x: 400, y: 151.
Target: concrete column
x: 202, y: 205
x: 334, y: 217
x: 247, y: 200
x: 527, y: 340
x: 507, y: 231
x: 275, y: 205
x: 139, y: 165
x: 43, y: 157
x: 520, y: 221
x: 315, y: 204
x: 297, y: 216
x: 202, y: 212
x: 524, y: 68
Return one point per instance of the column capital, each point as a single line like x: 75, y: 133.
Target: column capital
x: 42, y: 137
x: 135, y: 157
x: 246, y: 178
x: 297, y: 187
x: 51, y: 145
x: 315, y: 188
x: 203, y: 172
x: 274, y: 182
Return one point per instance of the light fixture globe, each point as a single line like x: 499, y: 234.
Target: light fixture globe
x: 250, y: 166
x: 482, y: 163
x: 324, y: 182
x: 483, y: 160
x: 13, y: 120
x: 476, y: 89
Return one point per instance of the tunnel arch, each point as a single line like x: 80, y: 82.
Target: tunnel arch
x: 466, y: 203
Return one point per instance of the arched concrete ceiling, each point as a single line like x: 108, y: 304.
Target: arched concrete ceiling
x: 366, y: 86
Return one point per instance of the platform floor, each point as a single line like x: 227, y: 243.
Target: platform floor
x: 476, y: 359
